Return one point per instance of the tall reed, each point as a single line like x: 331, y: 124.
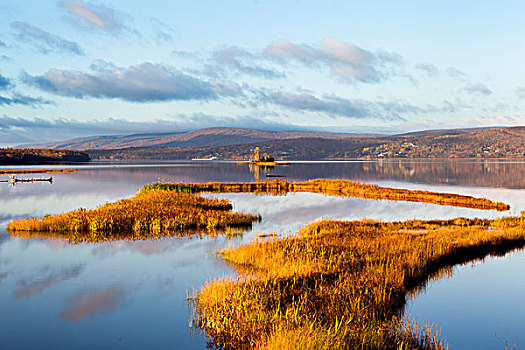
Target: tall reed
x: 149, y: 213
x: 341, y: 188
x: 342, y: 285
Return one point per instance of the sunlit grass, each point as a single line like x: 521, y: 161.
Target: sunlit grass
x: 37, y: 171
x: 148, y: 214
x: 341, y: 188
x: 342, y: 285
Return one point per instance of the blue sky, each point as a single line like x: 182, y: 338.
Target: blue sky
x: 80, y: 68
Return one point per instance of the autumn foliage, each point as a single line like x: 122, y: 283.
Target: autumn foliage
x: 14, y: 156
x: 341, y: 188
x: 149, y: 213
x: 342, y: 285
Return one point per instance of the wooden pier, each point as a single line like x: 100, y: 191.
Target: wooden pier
x: 13, y: 180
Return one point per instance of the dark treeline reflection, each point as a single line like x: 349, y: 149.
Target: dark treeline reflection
x: 483, y: 173
x: 473, y: 173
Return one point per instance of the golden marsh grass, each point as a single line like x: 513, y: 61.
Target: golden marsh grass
x: 37, y: 171
x: 342, y: 285
x: 147, y: 214
x: 340, y: 188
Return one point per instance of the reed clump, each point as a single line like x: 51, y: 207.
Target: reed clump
x: 341, y: 188
x: 342, y: 285
x: 147, y: 214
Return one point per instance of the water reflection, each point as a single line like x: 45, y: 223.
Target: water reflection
x: 484, y: 173
x: 480, y: 304
x: 109, y: 289
x: 102, y: 237
x: 92, y: 303
x: 131, y: 294
x: 290, y: 212
x: 46, y: 279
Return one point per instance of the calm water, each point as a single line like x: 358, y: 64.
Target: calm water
x: 132, y: 294
x: 481, y: 306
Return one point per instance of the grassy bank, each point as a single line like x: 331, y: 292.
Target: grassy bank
x: 342, y: 285
x: 36, y: 171
x: 148, y: 214
x: 341, y: 188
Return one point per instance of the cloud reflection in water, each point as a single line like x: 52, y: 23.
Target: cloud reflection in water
x: 28, y: 288
x: 159, y: 272
x: 93, y: 303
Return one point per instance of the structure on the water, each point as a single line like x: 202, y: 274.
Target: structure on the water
x: 13, y: 180
x: 256, y: 157
x: 263, y: 160
x: 206, y: 158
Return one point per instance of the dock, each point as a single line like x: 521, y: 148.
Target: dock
x: 12, y: 180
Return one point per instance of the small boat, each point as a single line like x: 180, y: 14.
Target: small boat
x: 275, y: 175
x: 206, y: 158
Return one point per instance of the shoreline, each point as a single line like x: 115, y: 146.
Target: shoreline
x: 37, y: 171
x: 342, y: 284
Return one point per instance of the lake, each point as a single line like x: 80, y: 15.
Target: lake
x: 132, y: 294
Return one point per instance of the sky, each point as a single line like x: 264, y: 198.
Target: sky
x: 81, y: 68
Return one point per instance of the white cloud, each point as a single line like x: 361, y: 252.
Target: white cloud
x: 241, y: 61
x: 457, y: 74
x: 146, y: 82
x: 478, y: 88
x: 89, y: 16
x: 346, y: 61
x: 429, y: 68
x: 45, y: 41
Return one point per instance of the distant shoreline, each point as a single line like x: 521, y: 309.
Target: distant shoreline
x: 37, y: 171
x: 30, y: 156
x: 241, y: 161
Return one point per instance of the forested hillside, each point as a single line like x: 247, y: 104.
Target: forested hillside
x: 16, y: 156
x: 492, y: 143
x: 196, y: 138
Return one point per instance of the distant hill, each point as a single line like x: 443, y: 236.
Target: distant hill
x: 441, y: 132
x: 198, y: 138
x: 238, y: 143
x: 477, y: 143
